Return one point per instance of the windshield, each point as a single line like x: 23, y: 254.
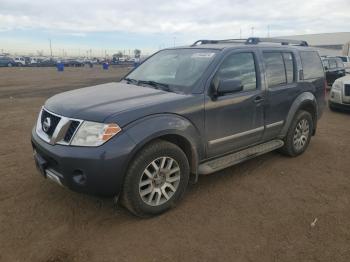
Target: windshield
x: 179, y: 69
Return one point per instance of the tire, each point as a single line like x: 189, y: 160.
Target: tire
x: 299, y: 134
x: 147, y: 192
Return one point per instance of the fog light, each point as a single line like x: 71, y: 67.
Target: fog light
x: 79, y: 178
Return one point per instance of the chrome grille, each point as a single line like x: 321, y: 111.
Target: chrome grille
x: 54, y: 120
x: 71, y: 130
x: 61, y: 129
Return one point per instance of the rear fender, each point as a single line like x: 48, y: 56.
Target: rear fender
x: 306, y: 98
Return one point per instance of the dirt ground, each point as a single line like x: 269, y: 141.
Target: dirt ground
x: 271, y: 208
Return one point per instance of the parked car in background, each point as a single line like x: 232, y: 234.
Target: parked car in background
x: 339, y: 97
x: 346, y: 61
x: 334, y: 68
x: 46, y: 62
x: 20, y: 61
x: 183, y: 112
x: 35, y: 60
x: 7, y: 61
x: 72, y: 63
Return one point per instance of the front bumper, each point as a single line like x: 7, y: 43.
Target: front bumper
x: 94, y: 170
x: 341, y: 106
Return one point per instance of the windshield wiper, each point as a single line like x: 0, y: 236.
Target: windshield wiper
x: 130, y: 80
x: 155, y: 84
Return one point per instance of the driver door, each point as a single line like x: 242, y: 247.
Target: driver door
x: 235, y: 120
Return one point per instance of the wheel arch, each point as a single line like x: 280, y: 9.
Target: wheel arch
x: 305, y: 101
x: 185, y: 136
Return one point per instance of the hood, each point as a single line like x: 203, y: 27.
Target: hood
x: 344, y: 80
x: 97, y: 103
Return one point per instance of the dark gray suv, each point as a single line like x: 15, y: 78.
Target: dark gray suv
x: 183, y: 112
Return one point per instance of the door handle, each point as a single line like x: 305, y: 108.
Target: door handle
x: 258, y: 99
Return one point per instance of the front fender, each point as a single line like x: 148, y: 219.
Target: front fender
x: 151, y: 127
x: 299, y: 102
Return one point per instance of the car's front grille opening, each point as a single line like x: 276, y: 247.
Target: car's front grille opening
x: 49, y: 122
x: 347, y: 90
x: 71, y: 130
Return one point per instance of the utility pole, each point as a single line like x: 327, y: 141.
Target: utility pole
x: 252, y: 30
x: 50, y: 48
x: 240, y: 33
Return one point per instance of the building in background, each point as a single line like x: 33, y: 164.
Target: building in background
x: 331, y: 44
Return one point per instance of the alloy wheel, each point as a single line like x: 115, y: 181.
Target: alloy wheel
x: 301, y: 134
x: 159, y: 181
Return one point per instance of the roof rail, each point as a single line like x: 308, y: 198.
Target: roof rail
x: 204, y: 42
x: 257, y: 40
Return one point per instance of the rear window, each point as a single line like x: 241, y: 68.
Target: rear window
x: 312, y: 66
x: 343, y: 58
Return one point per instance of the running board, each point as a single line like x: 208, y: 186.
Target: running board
x: 229, y: 160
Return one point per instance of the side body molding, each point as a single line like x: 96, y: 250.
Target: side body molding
x: 302, y: 99
x: 149, y: 128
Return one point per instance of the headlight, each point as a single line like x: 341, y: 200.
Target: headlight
x: 337, y: 85
x: 94, y: 134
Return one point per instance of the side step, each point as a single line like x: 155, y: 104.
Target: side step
x: 229, y: 160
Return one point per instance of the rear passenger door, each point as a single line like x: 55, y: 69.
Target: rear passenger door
x: 282, y: 89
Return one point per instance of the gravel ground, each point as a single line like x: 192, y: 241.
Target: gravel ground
x: 271, y: 208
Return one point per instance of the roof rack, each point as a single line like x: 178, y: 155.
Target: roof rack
x: 253, y: 41
x: 205, y: 42
x: 257, y: 40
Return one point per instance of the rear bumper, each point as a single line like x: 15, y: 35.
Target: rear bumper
x: 94, y: 170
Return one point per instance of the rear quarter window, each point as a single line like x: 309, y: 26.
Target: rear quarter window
x: 312, y: 66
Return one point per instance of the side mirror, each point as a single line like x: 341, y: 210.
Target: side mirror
x: 326, y: 68
x: 227, y: 86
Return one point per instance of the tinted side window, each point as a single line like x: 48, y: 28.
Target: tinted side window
x: 276, y: 74
x: 239, y: 67
x: 312, y: 66
x: 340, y: 63
x: 332, y: 63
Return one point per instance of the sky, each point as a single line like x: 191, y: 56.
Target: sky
x: 107, y: 26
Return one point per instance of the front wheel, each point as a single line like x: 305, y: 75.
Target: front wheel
x: 156, y: 179
x: 299, y: 134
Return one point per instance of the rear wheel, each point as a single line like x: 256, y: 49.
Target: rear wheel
x: 299, y: 134
x: 156, y: 179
